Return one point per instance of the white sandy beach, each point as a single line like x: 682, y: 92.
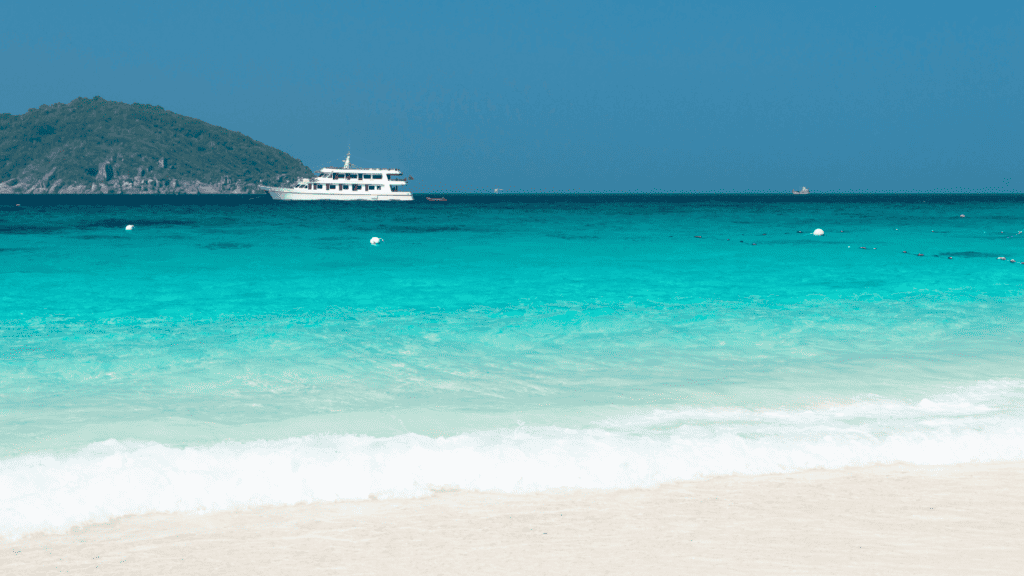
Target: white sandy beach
x: 963, y: 519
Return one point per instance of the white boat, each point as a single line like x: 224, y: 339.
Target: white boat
x: 803, y: 190
x: 347, y: 183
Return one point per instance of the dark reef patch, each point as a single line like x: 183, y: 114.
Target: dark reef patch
x: 137, y: 222
x: 969, y: 254
x: 24, y: 229
x: 105, y: 224
x: 103, y: 237
x: 226, y: 245
x: 422, y: 229
x: 572, y: 236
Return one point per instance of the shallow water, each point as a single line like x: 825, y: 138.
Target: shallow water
x: 219, y: 356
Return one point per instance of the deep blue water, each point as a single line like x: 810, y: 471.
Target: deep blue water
x: 226, y: 353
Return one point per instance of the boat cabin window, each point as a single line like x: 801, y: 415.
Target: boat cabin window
x: 376, y: 176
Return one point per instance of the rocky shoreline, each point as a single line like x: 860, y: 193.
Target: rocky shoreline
x: 126, y: 185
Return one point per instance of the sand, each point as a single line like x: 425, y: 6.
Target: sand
x: 964, y: 519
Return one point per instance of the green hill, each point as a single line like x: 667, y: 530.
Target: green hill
x: 101, y: 147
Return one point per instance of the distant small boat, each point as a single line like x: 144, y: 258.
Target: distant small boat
x: 437, y: 199
x: 803, y: 190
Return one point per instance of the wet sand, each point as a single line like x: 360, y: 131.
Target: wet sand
x: 964, y: 519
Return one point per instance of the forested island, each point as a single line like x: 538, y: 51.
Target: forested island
x: 96, y: 146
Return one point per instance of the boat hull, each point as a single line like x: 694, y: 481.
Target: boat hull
x: 305, y: 194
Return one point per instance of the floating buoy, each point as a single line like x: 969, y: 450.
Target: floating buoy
x: 962, y: 216
x: 819, y: 232
x: 130, y: 227
x: 375, y: 240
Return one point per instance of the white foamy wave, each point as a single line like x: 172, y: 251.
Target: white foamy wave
x: 114, y: 478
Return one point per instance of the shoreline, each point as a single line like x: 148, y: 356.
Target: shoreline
x: 899, y: 519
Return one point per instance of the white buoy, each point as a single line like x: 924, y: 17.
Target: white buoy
x: 130, y: 227
x: 819, y: 232
x: 375, y: 240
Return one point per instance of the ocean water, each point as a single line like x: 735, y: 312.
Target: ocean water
x: 226, y: 355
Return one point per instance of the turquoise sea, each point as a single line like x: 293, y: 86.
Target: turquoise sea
x: 228, y: 354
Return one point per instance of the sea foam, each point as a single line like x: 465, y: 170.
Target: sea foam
x: 48, y: 492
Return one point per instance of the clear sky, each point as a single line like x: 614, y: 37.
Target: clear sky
x: 555, y: 96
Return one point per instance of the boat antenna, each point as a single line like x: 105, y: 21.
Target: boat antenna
x: 347, y: 158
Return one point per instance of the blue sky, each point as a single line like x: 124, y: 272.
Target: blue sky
x: 559, y: 96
